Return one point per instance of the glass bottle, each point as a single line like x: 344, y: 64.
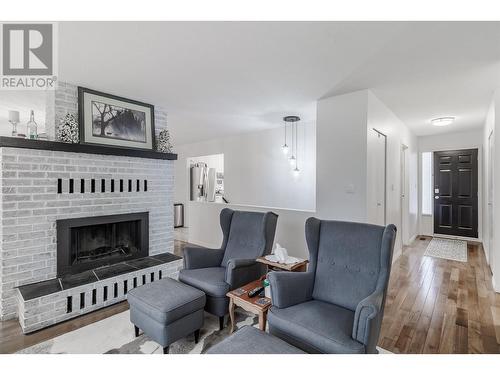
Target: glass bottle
x: 31, y: 127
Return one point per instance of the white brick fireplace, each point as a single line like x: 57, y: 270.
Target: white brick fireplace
x: 40, y: 186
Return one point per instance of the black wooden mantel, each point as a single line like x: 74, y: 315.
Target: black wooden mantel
x: 83, y: 148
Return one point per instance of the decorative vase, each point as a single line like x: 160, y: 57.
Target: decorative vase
x: 68, y: 129
x: 163, y: 143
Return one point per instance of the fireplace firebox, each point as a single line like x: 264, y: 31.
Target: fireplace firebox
x: 92, y: 242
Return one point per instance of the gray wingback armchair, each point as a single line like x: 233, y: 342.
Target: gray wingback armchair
x: 246, y: 236
x: 338, y: 304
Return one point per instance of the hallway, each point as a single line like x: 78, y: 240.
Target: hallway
x: 440, y: 306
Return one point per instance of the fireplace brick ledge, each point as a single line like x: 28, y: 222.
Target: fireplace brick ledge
x: 58, y: 304
x: 83, y: 148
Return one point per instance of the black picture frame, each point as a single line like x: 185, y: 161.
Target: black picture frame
x: 83, y: 129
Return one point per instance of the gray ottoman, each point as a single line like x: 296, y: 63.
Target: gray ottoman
x: 250, y: 340
x: 166, y: 310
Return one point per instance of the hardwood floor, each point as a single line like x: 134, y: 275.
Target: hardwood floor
x: 433, y: 306
x: 441, y: 306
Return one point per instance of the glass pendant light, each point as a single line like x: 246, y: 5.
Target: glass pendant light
x: 292, y: 159
x: 284, y: 148
x: 296, y: 171
x: 293, y: 120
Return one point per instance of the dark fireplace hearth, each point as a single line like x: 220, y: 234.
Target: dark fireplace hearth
x: 91, y: 242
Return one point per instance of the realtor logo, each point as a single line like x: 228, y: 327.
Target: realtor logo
x: 28, y: 56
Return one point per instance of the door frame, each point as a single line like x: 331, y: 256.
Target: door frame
x: 479, y: 192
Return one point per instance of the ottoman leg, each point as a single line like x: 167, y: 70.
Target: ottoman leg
x: 165, y: 350
x: 136, y: 331
x: 221, y: 323
x: 196, y: 336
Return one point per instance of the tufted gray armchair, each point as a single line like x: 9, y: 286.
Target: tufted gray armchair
x: 246, y: 236
x: 338, y: 304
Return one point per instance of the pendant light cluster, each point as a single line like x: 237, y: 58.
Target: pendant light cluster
x: 293, y: 159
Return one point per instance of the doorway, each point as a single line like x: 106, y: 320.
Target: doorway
x: 456, y: 193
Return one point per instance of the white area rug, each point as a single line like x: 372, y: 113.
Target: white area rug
x: 447, y: 249
x: 115, y: 335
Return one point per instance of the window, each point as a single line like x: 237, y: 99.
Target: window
x: 427, y: 190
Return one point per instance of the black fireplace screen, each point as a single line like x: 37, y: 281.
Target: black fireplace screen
x: 111, y: 241
x: 87, y: 243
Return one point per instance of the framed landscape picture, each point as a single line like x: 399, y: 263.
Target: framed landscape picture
x: 110, y: 120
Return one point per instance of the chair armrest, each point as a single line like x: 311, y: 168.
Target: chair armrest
x: 368, y: 318
x: 201, y: 257
x: 242, y: 271
x: 290, y: 288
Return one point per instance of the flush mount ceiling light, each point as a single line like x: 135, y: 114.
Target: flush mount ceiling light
x: 443, y: 121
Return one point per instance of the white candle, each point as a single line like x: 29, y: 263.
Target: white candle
x: 14, y: 116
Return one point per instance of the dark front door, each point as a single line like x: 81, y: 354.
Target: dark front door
x: 455, y: 193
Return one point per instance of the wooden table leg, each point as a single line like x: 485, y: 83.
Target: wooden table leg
x: 302, y: 268
x: 231, y: 314
x: 262, y: 320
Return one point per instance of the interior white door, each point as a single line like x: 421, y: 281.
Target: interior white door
x: 404, y: 202
x: 491, y: 150
x: 376, y: 178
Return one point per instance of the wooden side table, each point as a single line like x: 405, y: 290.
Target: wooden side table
x: 249, y: 304
x: 293, y: 267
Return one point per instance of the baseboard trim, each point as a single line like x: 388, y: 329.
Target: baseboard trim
x: 203, y: 244
x: 412, y: 239
x: 396, y: 255
x: 493, y: 284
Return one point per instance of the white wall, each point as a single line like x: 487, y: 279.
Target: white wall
x: 380, y: 117
x: 450, y: 141
x: 342, y: 189
x: 23, y: 101
x: 256, y: 172
x: 204, y: 227
x: 341, y: 157
x: 489, y: 127
x: 341, y: 173
x: 492, y: 124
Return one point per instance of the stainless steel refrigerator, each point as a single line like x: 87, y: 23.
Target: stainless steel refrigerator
x: 202, y: 182
x: 198, y: 173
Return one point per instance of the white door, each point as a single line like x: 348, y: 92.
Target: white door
x: 403, y: 188
x: 376, y: 185
x: 491, y: 150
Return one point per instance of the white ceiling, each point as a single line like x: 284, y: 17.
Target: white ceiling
x: 221, y: 78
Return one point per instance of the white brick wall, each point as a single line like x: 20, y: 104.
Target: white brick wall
x: 30, y: 206
x: 64, y: 100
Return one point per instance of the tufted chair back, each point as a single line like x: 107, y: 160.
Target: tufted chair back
x: 247, y: 235
x: 348, y: 259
